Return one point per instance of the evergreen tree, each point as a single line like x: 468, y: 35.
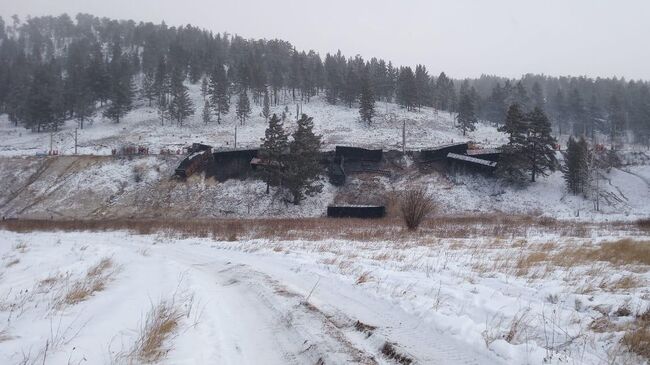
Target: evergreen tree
x: 303, y: 168
x: 266, y: 108
x: 576, y: 166
x: 466, y: 115
x: 350, y: 90
x: 406, y: 89
x: 273, y: 152
x: 616, y: 120
x: 121, y: 87
x: 561, y: 111
x: 219, y: 92
x: 512, y: 163
x: 496, y: 105
x: 148, y: 90
x: 366, y: 102
x: 207, y: 114
x: 180, y: 106
x: 162, y: 109
x: 422, y: 91
x: 43, y: 107
x: 243, y: 106
x: 540, y: 151
x: 204, y: 87
x: 576, y: 112
x: 161, y: 83
x: 520, y: 96
x: 84, y: 107
x: 538, y: 96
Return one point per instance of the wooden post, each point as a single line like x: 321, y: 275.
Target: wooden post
x: 75, y: 140
x: 404, y: 138
x: 235, y: 136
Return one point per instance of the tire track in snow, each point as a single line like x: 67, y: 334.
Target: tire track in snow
x: 325, y: 327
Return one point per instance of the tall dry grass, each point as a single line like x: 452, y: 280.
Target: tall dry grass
x: 487, y: 225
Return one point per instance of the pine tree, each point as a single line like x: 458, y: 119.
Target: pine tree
x: 84, y: 107
x: 43, y: 106
x: 180, y: 106
x: 576, y: 167
x: 422, y: 91
x: 207, y: 114
x: 303, y: 168
x: 273, y: 152
x: 512, y: 163
x: 538, y: 96
x: 496, y: 105
x: 148, y: 90
x: 406, y: 89
x: 243, y: 106
x: 162, y: 109
x: 616, y: 120
x: 540, y: 152
x: 121, y: 87
x: 218, y: 89
x: 161, y: 82
x: 561, y: 111
x: 466, y: 115
x: 577, y: 112
x: 266, y: 109
x: 204, y: 88
x: 366, y: 102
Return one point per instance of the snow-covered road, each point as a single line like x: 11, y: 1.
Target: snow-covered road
x: 247, y: 308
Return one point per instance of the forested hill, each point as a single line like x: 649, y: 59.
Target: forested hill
x: 56, y: 68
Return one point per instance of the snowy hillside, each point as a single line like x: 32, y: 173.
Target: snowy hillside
x: 337, y: 124
x: 118, y: 188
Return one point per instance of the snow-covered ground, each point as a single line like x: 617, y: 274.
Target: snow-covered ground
x: 337, y: 124
x: 107, y: 187
x: 435, y: 300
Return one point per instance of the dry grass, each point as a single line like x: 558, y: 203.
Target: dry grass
x: 94, y: 281
x: 624, y: 252
x: 315, y: 229
x: 12, y: 263
x: 21, y: 247
x: 5, y: 336
x: 637, y: 339
x: 161, y: 323
x: 619, y: 253
x: 364, y: 278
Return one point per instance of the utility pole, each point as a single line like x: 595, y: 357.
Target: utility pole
x: 404, y: 138
x: 235, y: 136
x: 51, y: 142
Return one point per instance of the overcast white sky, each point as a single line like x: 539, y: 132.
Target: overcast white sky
x: 460, y: 37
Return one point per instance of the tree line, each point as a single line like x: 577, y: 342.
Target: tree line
x: 56, y: 68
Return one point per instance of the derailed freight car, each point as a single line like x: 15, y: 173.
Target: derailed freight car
x: 464, y: 164
x: 195, y: 162
x: 440, y: 153
x: 232, y: 164
x: 356, y: 211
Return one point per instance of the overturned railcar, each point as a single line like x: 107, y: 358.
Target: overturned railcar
x: 440, y: 153
x: 356, y: 211
x: 232, y: 164
x: 350, y: 154
x: 195, y: 162
x: 465, y: 164
x: 490, y: 154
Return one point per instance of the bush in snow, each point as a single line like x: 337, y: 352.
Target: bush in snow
x: 415, y: 205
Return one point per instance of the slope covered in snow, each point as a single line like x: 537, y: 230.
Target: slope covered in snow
x: 337, y: 124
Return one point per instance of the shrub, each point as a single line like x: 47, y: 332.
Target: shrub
x: 415, y: 205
